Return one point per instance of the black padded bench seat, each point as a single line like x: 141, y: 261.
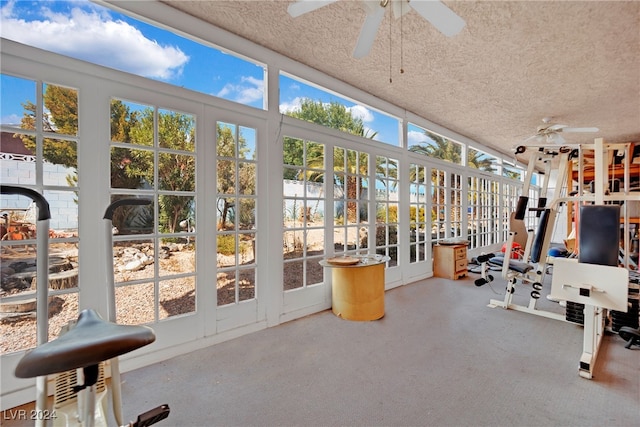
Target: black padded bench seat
x: 519, y: 266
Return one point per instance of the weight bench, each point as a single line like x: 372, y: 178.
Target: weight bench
x: 530, y: 270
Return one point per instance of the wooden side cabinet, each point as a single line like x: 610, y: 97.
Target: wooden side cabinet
x: 450, y: 261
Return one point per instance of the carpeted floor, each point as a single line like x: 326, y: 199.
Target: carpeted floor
x: 439, y: 357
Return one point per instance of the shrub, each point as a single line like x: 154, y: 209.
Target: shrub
x: 226, y: 244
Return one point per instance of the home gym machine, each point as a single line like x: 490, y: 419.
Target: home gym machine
x: 532, y: 269
x: 594, y: 280
x: 594, y: 283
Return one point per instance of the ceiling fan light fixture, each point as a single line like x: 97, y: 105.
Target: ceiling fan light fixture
x: 548, y: 133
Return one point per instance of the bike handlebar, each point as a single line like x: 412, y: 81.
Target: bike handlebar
x: 42, y: 204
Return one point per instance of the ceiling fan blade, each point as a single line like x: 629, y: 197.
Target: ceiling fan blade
x: 575, y: 130
x: 440, y: 16
x: 534, y: 139
x: 368, y: 33
x: 554, y: 138
x: 305, y: 6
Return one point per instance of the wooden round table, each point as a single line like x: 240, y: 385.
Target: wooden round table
x: 357, y: 288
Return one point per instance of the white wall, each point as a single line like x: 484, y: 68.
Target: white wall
x: 63, y: 208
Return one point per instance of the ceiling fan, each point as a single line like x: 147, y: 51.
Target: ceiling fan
x: 439, y: 15
x: 548, y: 133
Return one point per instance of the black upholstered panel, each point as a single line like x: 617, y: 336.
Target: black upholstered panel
x: 599, y: 234
x: 538, y: 240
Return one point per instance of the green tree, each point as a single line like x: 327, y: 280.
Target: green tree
x: 333, y: 115
x: 231, y: 146
x: 60, y: 117
x: 175, y: 171
x: 122, y: 121
x: 131, y: 167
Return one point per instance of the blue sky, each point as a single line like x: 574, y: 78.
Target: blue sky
x: 90, y: 32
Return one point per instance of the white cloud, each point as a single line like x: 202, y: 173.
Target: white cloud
x: 7, y: 10
x: 11, y: 119
x: 360, y: 112
x: 249, y: 90
x: 95, y: 37
x: 294, y: 105
x: 415, y: 137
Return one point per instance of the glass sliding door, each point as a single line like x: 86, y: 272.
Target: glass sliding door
x: 303, y: 212
x: 387, y: 221
x: 153, y: 157
x: 419, y: 221
x: 236, y: 226
x: 351, y: 201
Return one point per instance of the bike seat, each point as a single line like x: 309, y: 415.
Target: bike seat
x: 91, y: 341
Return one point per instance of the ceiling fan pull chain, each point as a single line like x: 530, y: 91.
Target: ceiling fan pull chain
x: 401, y: 41
x: 390, y: 50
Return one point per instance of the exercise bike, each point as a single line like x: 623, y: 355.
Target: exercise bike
x: 86, y: 344
x: 91, y: 341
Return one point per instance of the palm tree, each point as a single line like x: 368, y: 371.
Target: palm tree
x: 445, y: 149
x: 441, y: 148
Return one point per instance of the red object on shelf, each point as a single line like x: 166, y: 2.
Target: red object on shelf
x: 516, y: 250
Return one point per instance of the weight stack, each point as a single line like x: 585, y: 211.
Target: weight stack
x: 574, y: 312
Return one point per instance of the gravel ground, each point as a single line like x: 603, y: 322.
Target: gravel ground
x: 176, y: 296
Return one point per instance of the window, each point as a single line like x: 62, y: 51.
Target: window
x: 39, y: 152
x: 512, y: 172
x: 311, y: 103
x: 485, y: 221
x: 480, y: 160
x: 446, y: 205
x: 387, y: 208
x: 236, y: 197
x: 351, y: 200
x: 430, y: 144
x: 153, y: 159
x: 418, y: 220
x: 303, y: 176
x: 124, y: 43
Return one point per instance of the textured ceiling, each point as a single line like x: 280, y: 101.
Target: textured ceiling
x: 514, y: 63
